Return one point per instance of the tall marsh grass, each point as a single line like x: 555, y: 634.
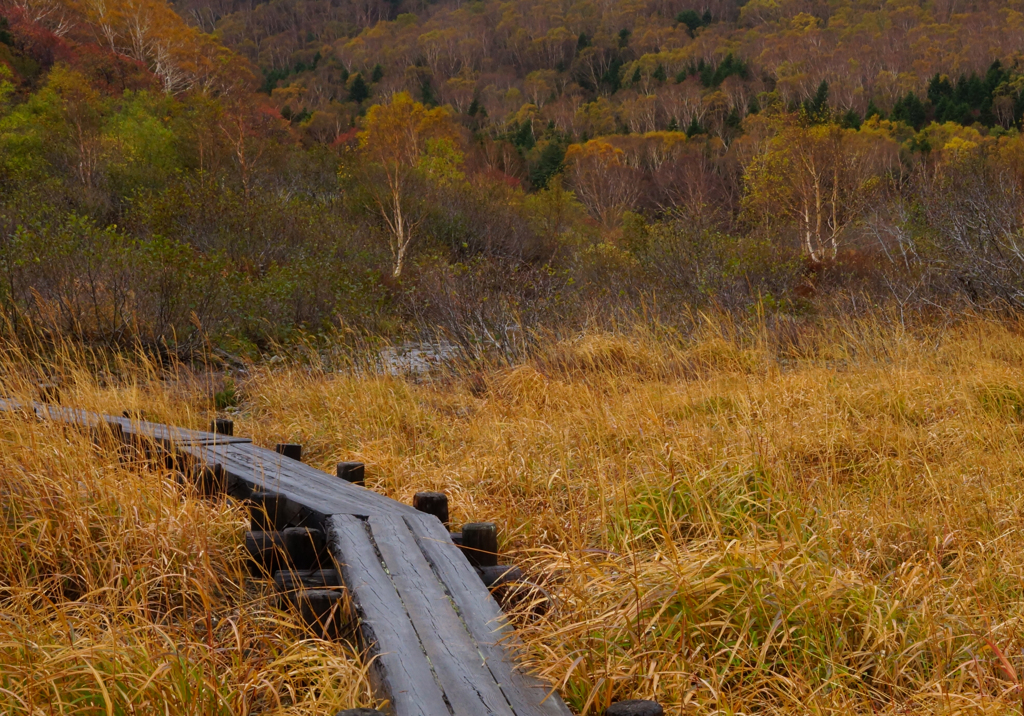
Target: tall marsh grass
x: 815, y: 519
x: 125, y: 592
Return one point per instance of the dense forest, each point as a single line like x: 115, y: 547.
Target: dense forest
x: 243, y: 173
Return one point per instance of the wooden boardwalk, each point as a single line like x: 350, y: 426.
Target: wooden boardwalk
x: 440, y: 643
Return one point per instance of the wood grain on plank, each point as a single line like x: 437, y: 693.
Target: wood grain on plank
x: 325, y: 494
x: 72, y: 416
x: 400, y: 668
x: 484, y: 620
x: 467, y: 683
x: 167, y: 434
x: 164, y: 434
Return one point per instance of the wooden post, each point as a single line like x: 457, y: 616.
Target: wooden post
x: 103, y: 432
x: 264, y: 552
x: 212, y: 479
x: 354, y: 472
x: 292, y: 450
x: 323, y: 611
x: 290, y: 580
x: 223, y: 426
x: 433, y: 503
x: 635, y: 707
x: 480, y: 543
x: 296, y: 547
x: 304, y: 547
x: 266, y: 511
x: 49, y: 393
x: 499, y: 574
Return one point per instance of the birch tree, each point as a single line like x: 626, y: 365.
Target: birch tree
x: 819, y: 177
x: 397, y: 138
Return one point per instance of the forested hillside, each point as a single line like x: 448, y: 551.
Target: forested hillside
x: 576, y: 70
x: 240, y: 173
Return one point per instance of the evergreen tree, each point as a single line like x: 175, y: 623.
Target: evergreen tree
x: 358, y: 91
x: 707, y: 74
x: 817, y: 108
x: 691, y: 19
x: 523, y: 137
x: 910, y: 110
x: 548, y: 164
x: 427, y: 94
x: 659, y: 73
x: 851, y: 120
x: 733, y: 121
x: 939, y: 89
x: 378, y: 73
x: 613, y: 76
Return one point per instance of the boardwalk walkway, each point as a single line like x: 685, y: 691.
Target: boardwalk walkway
x: 440, y: 641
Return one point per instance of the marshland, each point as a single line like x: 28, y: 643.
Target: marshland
x: 741, y: 520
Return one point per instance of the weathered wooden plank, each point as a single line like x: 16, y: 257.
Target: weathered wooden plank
x: 69, y: 416
x: 484, y: 620
x: 400, y: 668
x: 164, y: 434
x: 324, y: 494
x: 167, y: 434
x: 469, y: 687
x: 8, y: 405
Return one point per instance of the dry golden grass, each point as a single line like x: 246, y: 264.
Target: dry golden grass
x: 813, y: 520
x: 122, y: 592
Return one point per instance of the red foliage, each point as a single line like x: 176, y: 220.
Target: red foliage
x: 107, y: 71
x: 346, y: 139
x: 112, y: 73
x: 499, y: 177
x: 35, y: 41
x: 270, y: 111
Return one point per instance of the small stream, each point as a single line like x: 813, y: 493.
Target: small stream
x: 416, y: 358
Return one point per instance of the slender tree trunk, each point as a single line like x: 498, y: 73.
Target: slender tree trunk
x: 818, y: 216
x: 835, y: 212
x: 808, y: 243
x: 401, y: 230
